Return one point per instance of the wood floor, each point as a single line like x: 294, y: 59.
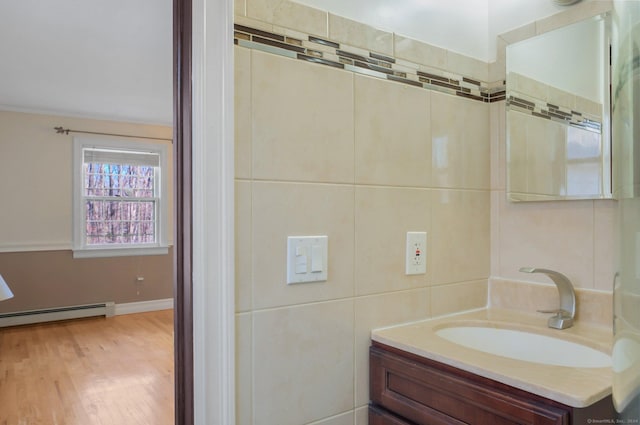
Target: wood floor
x: 98, y: 371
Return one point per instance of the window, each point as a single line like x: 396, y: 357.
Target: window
x: 119, y: 198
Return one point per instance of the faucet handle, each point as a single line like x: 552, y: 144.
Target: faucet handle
x: 561, y: 320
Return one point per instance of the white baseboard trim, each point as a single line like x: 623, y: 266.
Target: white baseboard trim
x: 143, y: 306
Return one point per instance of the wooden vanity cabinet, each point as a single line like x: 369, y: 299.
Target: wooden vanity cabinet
x: 406, y: 389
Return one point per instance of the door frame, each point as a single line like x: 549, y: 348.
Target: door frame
x: 183, y: 300
x: 205, y: 229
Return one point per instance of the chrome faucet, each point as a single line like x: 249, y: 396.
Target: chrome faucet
x: 565, y: 314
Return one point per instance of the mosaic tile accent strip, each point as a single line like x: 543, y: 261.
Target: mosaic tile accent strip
x: 326, y: 52
x: 539, y: 108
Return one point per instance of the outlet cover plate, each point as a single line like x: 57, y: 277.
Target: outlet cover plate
x: 416, y: 253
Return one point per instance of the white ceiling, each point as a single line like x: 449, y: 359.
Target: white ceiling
x: 109, y: 59
x: 112, y: 59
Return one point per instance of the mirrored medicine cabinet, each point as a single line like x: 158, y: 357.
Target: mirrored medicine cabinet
x: 558, y: 114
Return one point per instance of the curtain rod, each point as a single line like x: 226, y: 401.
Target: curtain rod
x: 61, y: 130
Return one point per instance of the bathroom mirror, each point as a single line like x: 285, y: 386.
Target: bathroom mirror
x: 558, y: 132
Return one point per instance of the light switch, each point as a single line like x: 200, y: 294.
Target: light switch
x: 301, y: 260
x: 317, y: 259
x: 307, y: 259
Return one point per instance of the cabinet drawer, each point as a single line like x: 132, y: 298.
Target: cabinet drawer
x: 426, y: 392
x: 378, y: 416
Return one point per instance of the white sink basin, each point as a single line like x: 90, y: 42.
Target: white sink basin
x: 527, y: 346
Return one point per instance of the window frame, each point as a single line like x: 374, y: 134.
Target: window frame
x: 80, y: 247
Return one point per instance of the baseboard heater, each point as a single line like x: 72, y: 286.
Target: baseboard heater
x: 58, y: 313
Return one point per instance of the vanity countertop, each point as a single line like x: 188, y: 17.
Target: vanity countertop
x: 572, y: 386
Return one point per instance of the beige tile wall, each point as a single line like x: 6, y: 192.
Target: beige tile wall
x: 363, y: 160
x: 387, y: 153
x: 326, y: 151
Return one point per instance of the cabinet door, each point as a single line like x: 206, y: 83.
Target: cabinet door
x: 427, y: 392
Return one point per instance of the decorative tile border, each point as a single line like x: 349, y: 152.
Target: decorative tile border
x: 539, y: 108
x: 326, y: 52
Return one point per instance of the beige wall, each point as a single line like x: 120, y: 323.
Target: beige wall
x: 45, y: 279
x: 36, y: 220
x: 364, y: 160
x: 36, y: 211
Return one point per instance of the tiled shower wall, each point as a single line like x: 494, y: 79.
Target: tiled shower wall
x: 321, y: 150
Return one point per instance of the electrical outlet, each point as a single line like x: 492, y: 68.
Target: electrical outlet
x: 416, y: 253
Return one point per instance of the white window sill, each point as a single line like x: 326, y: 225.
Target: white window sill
x: 119, y: 252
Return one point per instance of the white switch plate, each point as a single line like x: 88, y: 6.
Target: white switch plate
x: 307, y: 259
x: 416, y: 253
